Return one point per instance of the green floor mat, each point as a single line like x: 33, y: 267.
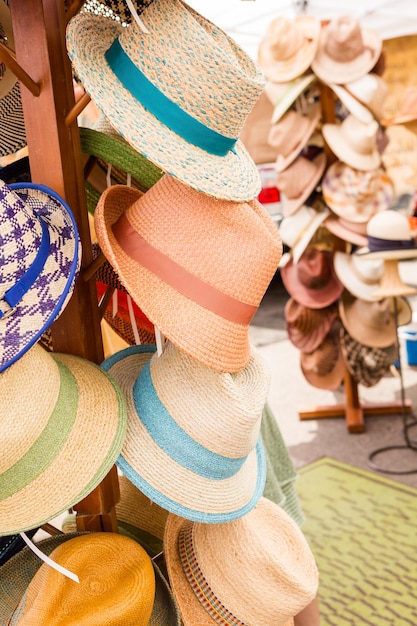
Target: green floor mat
x: 362, y: 529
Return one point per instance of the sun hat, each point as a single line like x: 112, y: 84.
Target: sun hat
x: 104, y: 558
x: 345, y: 51
x: 298, y: 181
x: 306, y: 327
x: 206, y: 303
x: 352, y: 232
x: 389, y: 237
x: 161, y: 94
x: 312, y: 281
x: 255, y: 570
x: 373, y: 323
x: 40, y: 261
x: 255, y: 132
x: 354, y: 142
x: 356, y: 195
x: 367, y: 365
x: 57, y: 446
x: 291, y: 134
x: 407, y: 110
x: 297, y: 230
x: 324, y: 367
x: 192, y: 443
x: 364, y: 97
x: 360, y: 276
x: 284, y: 95
x: 288, y: 47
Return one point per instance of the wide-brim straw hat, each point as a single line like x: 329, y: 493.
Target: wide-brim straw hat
x: 389, y: 236
x: 206, y: 304
x: 161, y: 94
x: 289, y: 47
x: 360, y: 276
x: 202, y: 458
x: 297, y: 230
x: 354, y: 143
x: 352, y: 232
x: 345, y: 51
x: 306, y: 327
x: 283, y: 95
x: 324, y: 367
x: 291, y: 135
x: 366, y: 365
x: 407, y: 110
x: 221, y: 568
x: 364, y: 97
x: 41, y: 256
x: 298, y: 181
x: 57, y: 445
x: 18, y: 573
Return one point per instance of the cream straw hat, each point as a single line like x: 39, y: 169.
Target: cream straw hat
x: 63, y: 427
x: 180, y: 95
x: 354, y: 143
x: 291, y: 134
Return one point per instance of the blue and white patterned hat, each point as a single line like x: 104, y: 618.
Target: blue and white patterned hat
x: 39, y: 263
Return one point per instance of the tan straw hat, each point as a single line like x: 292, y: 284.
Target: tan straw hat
x: 306, y: 327
x: 258, y: 570
x: 298, y: 181
x: 352, y: 232
x: 389, y: 237
x: 360, y: 276
x: 289, y: 46
x: 283, y: 95
x: 178, y: 253
x: 354, y: 142
x: 255, y: 132
x: 59, y: 444
x: 364, y: 97
x: 291, y: 134
x: 324, y: 367
x: 407, y: 111
x: 346, y: 51
x: 297, y: 230
x: 159, y: 90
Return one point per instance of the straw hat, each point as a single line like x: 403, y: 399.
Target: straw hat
x: 291, y: 134
x: 202, y: 458
x: 298, y: 229
x: 58, y: 445
x: 389, y: 237
x: 407, y: 111
x: 283, y: 95
x: 12, y: 123
x: 110, y: 566
x: 360, y: 276
x: 324, y: 367
x: 307, y: 327
x: 206, y: 304
x: 366, y: 365
x: 289, y: 46
x: 354, y: 142
x: 352, y: 232
x: 312, y: 281
x: 298, y: 181
x: 373, y: 323
x: 40, y: 263
x: 346, y: 51
x: 364, y: 97
x: 255, y: 132
x: 256, y: 570
x: 161, y: 94
x: 356, y: 195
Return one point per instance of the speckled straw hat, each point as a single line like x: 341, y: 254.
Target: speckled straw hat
x: 178, y: 253
x: 40, y: 259
x: 257, y: 571
x: 193, y: 441
x: 57, y: 443
x: 160, y: 92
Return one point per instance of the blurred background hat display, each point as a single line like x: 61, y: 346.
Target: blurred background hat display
x: 298, y: 229
x: 360, y: 276
x: 308, y: 327
x: 298, y: 181
x: 291, y: 134
x: 366, y: 364
x: 364, y: 98
x: 324, y: 368
x: 351, y: 232
x: 255, y: 132
x: 354, y: 142
x: 284, y: 95
x: 389, y: 236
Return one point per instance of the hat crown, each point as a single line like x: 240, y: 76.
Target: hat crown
x: 285, y: 38
x: 294, y: 225
x: 289, y: 132
x: 370, y: 89
x: 390, y: 225
x: 314, y: 268
x: 370, y: 271
x: 296, y: 177
x: 360, y: 136
x: 344, y: 40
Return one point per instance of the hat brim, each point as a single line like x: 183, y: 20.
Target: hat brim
x: 231, y: 177
x: 51, y: 290
x: 350, y: 279
x: 400, y: 254
x: 313, y: 117
x: 331, y: 380
x: 307, y: 234
x: 173, y: 486
x: 290, y: 205
x: 283, y: 95
x: 337, y: 228
x: 337, y: 143
x: 308, y: 341
x: 356, y: 108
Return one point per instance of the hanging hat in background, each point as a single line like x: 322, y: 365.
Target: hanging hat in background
x: 161, y: 94
x: 117, y: 9
x: 291, y: 134
x: 256, y: 130
x: 206, y: 303
x: 364, y: 97
x: 352, y: 232
x: 306, y: 327
x: 297, y: 230
x: 57, y: 446
x: 345, y: 51
x: 312, y: 281
x: 283, y: 95
x: 360, y: 276
x: 389, y: 237
x: 356, y: 195
x: 298, y: 181
x: 12, y: 544
x: 324, y: 367
x: 220, y: 568
x: 366, y: 365
x: 289, y: 46
x: 40, y: 262
x: 373, y: 323
x: 202, y: 457
x: 354, y: 143
x: 407, y: 111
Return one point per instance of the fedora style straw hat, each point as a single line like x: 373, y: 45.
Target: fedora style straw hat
x: 189, y: 279
x: 345, y: 51
x: 57, y: 446
x: 407, y: 111
x: 256, y: 129
x: 160, y: 92
x: 284, y: 95
x: 291, y: 134
x: 389, y: 237
x: 352, y: 232
x: 324, y: 367
x: 297, y: 230
x: 255, y: 570
x: 298, y: 181
x: 312, y: 281
x: 40, y: 262
x: 192, y: 443
x: 360, y: 276
x: 366, y: 365
x: 289, y: 46
x: 354, y: 143
x: 356, y: 195
x: 119, y: 584
x: 364, y: 97
x: 306, y: 327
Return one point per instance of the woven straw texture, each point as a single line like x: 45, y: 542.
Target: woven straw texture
x: 202, y: 457
x: 173, y: 218
x: 259, y: 567
x: 59, y: 447
x: 178, y: 59
x: 136, y: 509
